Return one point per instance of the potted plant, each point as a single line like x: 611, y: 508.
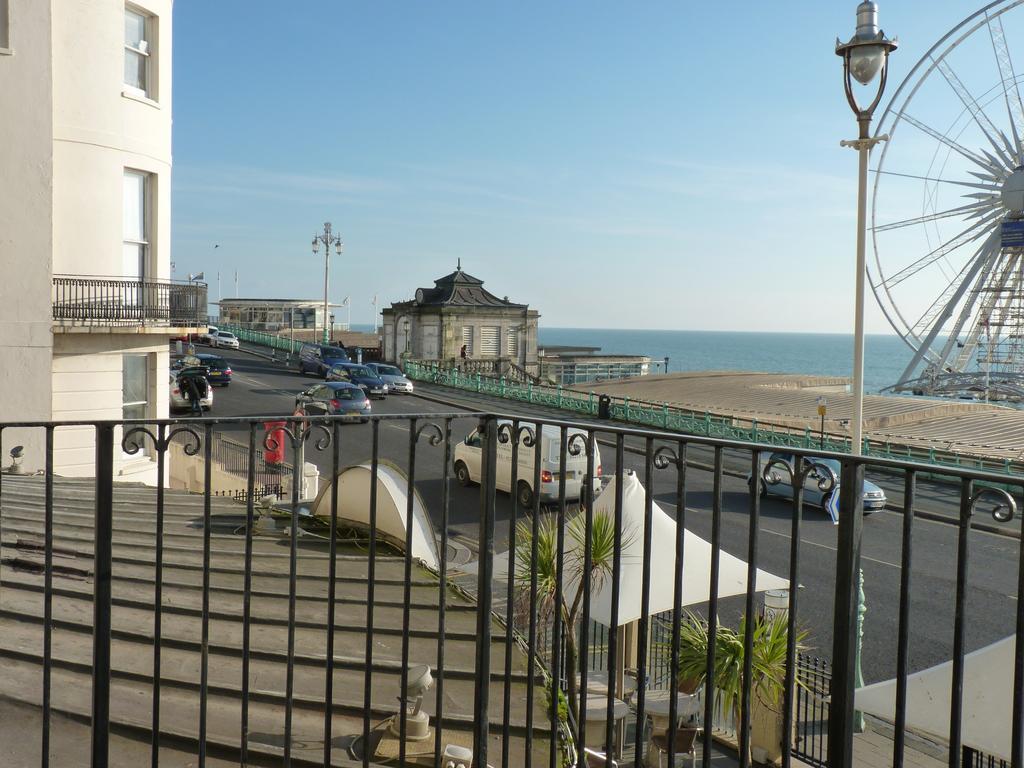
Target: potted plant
x: 768, y: 674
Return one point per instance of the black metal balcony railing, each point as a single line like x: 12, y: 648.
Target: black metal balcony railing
x: 120, y: 301
x: 329, y: 618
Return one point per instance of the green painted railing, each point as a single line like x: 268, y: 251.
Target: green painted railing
x: 664, y: 416
x: 264, y: 339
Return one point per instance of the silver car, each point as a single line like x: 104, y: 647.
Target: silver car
x: 393, y: 377
x: 821, y: 486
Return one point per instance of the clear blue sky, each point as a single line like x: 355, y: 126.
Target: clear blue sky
x: 637, y: 165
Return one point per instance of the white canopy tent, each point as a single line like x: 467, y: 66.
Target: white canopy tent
x: 987, y: 699
x: 354, y: 484
x: 696, y: 562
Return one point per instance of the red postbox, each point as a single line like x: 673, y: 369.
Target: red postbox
x: 273, y: 444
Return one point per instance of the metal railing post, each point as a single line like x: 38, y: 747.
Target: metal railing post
x: 844, y: 636
x: 102, y: 557
x: 488, y: 429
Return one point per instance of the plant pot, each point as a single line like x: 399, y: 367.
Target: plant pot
x: 766, y: 730
x: 690, y: 685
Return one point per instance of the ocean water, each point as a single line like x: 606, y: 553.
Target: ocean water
x: 826, y: 354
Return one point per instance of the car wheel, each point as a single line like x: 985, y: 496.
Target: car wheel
x: 524, y: 494
x: 462, y: 474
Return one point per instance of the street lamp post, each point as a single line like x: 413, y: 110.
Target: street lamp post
x: 328, y: 239
x: 822, y: 405
x: 865, y: 56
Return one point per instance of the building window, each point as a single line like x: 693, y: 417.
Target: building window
x: 490, y: 336
x: 136, y: 224
x: 138, y: 73
x: 512, y: 343
x: 134, y: 386
x: 467, y: 338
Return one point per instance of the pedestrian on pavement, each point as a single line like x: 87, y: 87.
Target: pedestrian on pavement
x: 462, y: 352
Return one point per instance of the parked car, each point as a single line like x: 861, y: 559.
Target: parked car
x: 393, y: 377
x: 466, y: 464
x: 361, y: 376
x: 224, y: 339
x: 319, y: 358
x: 335, y: 398
x: 821, y: 488
x: 220, y: 371
x: 178, y: 401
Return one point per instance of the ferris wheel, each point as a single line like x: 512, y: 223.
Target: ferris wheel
x: 947, y: 212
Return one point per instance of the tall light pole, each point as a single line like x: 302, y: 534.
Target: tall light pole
x: 328, y: 239
x: 864, y: 56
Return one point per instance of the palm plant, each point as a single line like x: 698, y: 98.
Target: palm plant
x: 602, y: 551
x: 768, y: 661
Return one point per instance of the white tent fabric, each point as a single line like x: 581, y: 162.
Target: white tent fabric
x: 354, y: 485
x: 987, y: 699
x: 696, y: 562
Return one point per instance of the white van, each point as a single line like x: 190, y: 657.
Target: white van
x: 468, y: 455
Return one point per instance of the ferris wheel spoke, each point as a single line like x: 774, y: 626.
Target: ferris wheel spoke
x: 1011, y: 92
x: 975, y: 185
x: 971, y: 208
x: 1007, y: 153
x: 943, y: 139
x: 973, y: 232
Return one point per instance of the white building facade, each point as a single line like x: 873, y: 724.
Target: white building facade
x: 87, y: 305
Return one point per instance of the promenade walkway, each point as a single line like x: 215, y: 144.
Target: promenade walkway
x: 791, y: 400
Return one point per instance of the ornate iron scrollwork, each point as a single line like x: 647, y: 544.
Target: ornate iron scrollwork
x: 578, y: 443
x: 436, y: 434
x: 131, y: 441
x: 1002, y: 512
x: 666, y: 457
x: 827, y: 480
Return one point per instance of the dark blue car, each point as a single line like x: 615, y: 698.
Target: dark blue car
x: 318, y: 359
x: 361, y: 376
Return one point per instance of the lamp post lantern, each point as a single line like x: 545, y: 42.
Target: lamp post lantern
x: 328, y: 239
x: 864, y: 56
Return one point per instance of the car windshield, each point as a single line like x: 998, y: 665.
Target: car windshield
x: 360, y: 370
x: 216, y: 363
x: 388, y: 370
x: 332, y: 352
x: 349, y: 393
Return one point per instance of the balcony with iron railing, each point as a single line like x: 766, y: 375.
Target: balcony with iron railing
x: 90, y: 301
x: 142, y: 625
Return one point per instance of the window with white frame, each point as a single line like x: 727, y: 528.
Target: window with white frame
x: 135, y: 386
x: 136, y: 224
x: 490, y: 336
x: 512, y: 343
x: 138, y: 74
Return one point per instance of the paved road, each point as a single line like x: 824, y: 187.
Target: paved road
x: 263, y: 388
